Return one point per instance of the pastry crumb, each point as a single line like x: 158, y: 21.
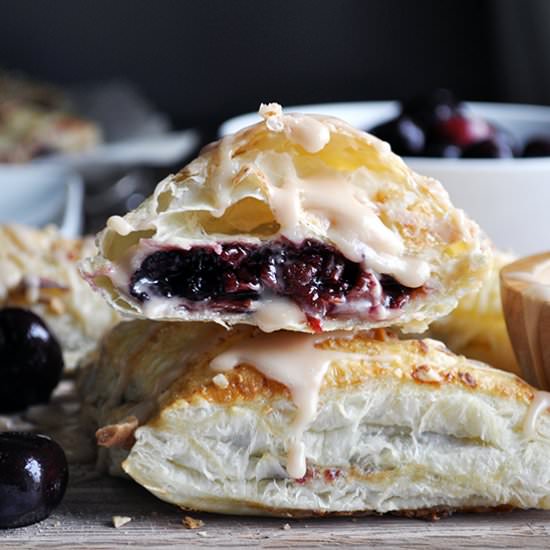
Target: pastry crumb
x: 221, y: 381
x: 56, y: 306
x: 203, y: 534
x: 286, y: 527
x: 426, y: 374
x: 467, y: 379
x: 119, y: 521
x: 192, y: 523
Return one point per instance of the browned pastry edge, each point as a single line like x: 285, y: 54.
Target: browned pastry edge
x: 246, y: 383
x: 435, y: 513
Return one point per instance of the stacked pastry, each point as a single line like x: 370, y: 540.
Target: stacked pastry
x: 262, y: 375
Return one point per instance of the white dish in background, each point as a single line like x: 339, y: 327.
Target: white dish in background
x: 72, y: 222
x: 135, y: 133
x: 160, y: 150
x: 509, y: 198
x: 39, y: 195
x: 47, y: 189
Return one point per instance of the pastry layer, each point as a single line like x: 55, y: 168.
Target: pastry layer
x: 476, y: 328
x: 400, y: 425
x: 292, y: 182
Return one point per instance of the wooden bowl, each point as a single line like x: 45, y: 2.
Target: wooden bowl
x: 525, y: 291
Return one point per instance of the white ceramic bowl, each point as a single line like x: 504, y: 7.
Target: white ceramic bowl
x: 38, y: 195
x: 509, y: 198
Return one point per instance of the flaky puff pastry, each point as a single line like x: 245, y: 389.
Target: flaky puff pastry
x: 476, y: 328
x: 399, y: 425
x: 38, y: 271
x: 299, y: 222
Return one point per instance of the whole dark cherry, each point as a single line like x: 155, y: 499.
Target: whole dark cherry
x: 429, y: 108
x: 404, y: 135
x: 537, y: 147
x: 442, y: 150
x: 463, y: 131
x: 436, y: 124
x: 507, y: 138
x: 489, y: 148
x: 31, y: 361
x: 33, y: 478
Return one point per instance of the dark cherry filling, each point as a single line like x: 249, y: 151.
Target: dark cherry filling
x: 316, y: 277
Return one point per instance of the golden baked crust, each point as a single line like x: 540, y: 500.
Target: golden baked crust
x: 264, y: 184
x: 476, y: 328
x: 38, y: 270
x: 401, y: 426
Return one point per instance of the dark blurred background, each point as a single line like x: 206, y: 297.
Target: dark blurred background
x: 203, y: 61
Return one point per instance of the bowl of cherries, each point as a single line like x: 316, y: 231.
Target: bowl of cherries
x: 438, y: 125
x: 493, y: 158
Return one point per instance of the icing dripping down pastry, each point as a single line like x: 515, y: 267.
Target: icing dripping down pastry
x: 276, y: 313
x: 119, y: 225
x: 311, y: 134
x: 294, y: 360
x: 332, y: 198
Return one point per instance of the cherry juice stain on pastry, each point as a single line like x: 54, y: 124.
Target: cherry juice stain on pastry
x: 294, y: 360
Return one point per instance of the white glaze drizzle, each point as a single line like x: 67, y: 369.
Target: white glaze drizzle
x: 293, y: 360
x: 119, y: 225
x: 532, y: 298
x: 335, y: 197
x: 337, y: 202
x: 305, y: 202
x: 307, y: 132
x: 277, y: 313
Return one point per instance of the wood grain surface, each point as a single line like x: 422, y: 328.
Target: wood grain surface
x: 84, y: 520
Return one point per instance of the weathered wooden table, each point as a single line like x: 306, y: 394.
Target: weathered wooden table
x: 84, y: 520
